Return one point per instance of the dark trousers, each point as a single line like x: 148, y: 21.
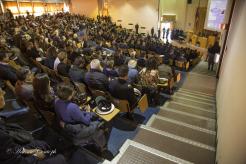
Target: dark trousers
x: 211, y: 66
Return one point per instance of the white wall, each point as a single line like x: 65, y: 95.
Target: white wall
x: 231, y: 93
x: 143, y: 12
x: 176, y: 7
x: 84, y: 7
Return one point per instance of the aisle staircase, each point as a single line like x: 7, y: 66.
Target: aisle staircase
x: 184, y: 131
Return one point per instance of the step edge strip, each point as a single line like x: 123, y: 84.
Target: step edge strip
x: 204, y: 103
x: 195, y: 107
x: 151, y: 120
x: 148, y: 149
x: 185, y: 124
x: 187, y: 114
x: 196, y: 73
x: 193, y: 96
x: 159, y: 153
x: 181, y: 139
x: 196, y: 92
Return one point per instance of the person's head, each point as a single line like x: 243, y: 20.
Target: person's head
x: 95, y: 64
x: 4, y: 57
x: 132, y: 63
x: 79, y: 62
x: 24, y: 74
x: 62, y: 56
x: 41, y: 84
x: 30, y: 44
x: 51, y: 52
x: 110, y: 64
x: 65, y: 91
x: 2, y: 102
x: 151, y: 64
x: 123, y: 72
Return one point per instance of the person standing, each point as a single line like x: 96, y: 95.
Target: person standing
x: 159, y: 33
x: 152, y: 32
x: 211, y: 55
x: 136, y: 28
x: 167, y: 34
x: 164, y: 32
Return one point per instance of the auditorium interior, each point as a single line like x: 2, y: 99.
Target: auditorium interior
x: 122, y: 81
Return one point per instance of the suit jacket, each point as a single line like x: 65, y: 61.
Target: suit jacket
x: 7, y: 73
x: 63, y: 69
x: 77, y: 74
x: 49, y: 62
x: 121, y: 89
x: 165, y: 71
x: 96, y: 80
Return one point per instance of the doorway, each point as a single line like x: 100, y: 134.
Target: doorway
x: 166, y: 25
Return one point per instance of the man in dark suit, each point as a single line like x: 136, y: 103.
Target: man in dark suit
x: 77, y: 71
x: 211, y: 55
x: 152, y: 32
x: 95, y: 78
x: 6, y: 72
x: 136, y: 28
x: 121, y: 89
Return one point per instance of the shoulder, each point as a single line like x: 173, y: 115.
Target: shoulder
x: 72, y: 105
x: 113, y: 82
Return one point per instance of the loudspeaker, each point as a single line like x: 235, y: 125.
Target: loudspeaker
x: 189, y: 1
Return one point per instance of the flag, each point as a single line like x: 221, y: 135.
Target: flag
x: 197, y: 19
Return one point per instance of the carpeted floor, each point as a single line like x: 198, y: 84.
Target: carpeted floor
x: 124, y: 129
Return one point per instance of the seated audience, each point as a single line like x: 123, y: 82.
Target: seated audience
x: 149, y: 78
x: 121, y: 89
x: 78, y: 123
x: 165, y: 71
x: 6, y: 71
x: 109, y: 71
x: 43, y: 93
x: 50, y: 57
x: 77, y: 70
x: 141, y: 61
x: 31, y: 50
x: 60, y: 57
x: 95, y: 78
x: 133, y: 74
x: 14, y: 149
x: 63, y: 68
x: 23, y: 87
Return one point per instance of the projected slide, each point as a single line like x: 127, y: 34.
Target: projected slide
x: 216, y: 14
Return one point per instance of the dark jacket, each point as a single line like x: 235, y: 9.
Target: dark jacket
x: 110, y: 72
x: 23, y: 90
x: 14, y: 138
x: 96, y: 80
x: 63, y: 69
x: 165, y: 71
x: 7, y: 73
x: 121, y: 89
x: 77, y: 74
x: 49, y: 62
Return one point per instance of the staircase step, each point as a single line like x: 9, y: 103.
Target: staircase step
x: 197, y: 98
x: 196, y: 92
x: 181, y: 107
x: 183, y: 130
x: 194, y: 103
x: 178, y: 116
x: 196, y: 95
x: 175, y: 145
x: 135, y: 153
